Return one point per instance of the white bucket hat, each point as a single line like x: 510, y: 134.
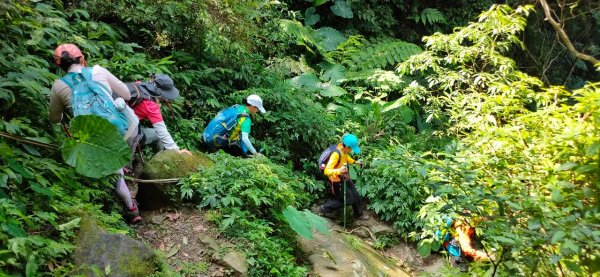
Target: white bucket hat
x: 256, y: 101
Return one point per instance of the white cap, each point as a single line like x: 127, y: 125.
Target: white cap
x: 256, y: 101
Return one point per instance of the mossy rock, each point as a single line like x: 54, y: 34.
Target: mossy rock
x: 336, y: 254
x: 116, y: 253
x: 170, y: 164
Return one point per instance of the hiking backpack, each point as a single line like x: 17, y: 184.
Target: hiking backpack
x: 215, y: 134
x: 444, y: 235
x: 324, y: 158
x: 91, y: 97
x: 137, y: 94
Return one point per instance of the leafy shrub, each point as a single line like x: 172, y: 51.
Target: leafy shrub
x: 257, y: 185
x: 251, y: 195
x: 395, y: 183
x: 41, y: 203
x: 525, y: 160
x: 296, y: 127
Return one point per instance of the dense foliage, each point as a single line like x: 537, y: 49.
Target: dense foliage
x: 448, y: 123
x: 526, y: 162
x: 250, y: 196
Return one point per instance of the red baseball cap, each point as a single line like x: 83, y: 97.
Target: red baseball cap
x: 72, y: 49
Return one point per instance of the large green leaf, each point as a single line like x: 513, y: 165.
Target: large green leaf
x: 332, y: 91
x: 317, y: 3
x: 329, y: 38
x: 97, y: 149
x: 306, y: 80
x: 310, y: 17
x: 424, y: 248
x: 341, y: 9
x: 303, y: 223
x: 334, y: 74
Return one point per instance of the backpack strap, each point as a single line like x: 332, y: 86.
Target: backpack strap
x: 134, y: 101
x: 241, y: 114
x: 69, y: 79
x: 339, y: 154
x: 86, y: 72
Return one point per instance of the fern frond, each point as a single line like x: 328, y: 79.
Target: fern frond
x: 359, y: 54
x: 431, y: 16
x: 303, y: 35
x: 351, y: 46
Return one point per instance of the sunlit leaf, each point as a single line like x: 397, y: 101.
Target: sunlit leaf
x: 304, y: 222
x: 332, y: 91
x: 329, y: 38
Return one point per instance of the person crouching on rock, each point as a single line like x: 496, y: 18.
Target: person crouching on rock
x: 230, y: 129
x: 145, y: 102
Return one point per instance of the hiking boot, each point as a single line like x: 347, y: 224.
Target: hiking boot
x: 460, y: 263
x: 362, y: 217
x: 323, y: 213
x: 134, y: 214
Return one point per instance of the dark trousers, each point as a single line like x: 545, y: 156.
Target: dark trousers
x: 234, y: 150
x: 336, y: 200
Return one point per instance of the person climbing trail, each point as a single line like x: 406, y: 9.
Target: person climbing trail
x: 72, y: 61
x: 145, y: 102
x: 230, y: 129
x: 458, y: 236
x: 334, y: 164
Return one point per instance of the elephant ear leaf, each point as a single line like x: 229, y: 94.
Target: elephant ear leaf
x: 305, y: 222
x: 342, y: 9
x: 96, y: 148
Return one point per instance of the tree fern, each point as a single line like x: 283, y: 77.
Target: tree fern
x: 431, y: 16
x: 323, y: 39
x: 358, y: 53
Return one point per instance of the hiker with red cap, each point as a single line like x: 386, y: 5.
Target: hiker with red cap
x: 67, y: 91
x: 145, y: 99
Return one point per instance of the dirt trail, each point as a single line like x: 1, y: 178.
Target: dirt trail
x: 177, y: 233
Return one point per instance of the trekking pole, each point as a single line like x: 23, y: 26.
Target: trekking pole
x: 176, y: 124
x: 345, y: 208
x: 66, y: 130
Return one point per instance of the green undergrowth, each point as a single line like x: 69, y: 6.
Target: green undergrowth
x: 41, y: 206
x: 248, y: 197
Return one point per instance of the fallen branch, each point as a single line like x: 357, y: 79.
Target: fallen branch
x: 355, y: 229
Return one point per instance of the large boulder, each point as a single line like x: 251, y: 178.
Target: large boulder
x: 170, y: 164
x: 167, y: 164
x: 339, y: 255
x: 112, y: 254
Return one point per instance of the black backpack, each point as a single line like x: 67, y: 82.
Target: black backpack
x: 138, y: 94
x: 324, y: 159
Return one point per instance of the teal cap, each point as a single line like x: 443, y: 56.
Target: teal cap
x: 351, y: 141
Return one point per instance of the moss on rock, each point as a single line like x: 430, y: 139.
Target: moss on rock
x: 170, y: 164
x: 119, y: 254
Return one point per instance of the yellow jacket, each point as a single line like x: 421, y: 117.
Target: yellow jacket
x: 331, y: 170
x: 464, y: 233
